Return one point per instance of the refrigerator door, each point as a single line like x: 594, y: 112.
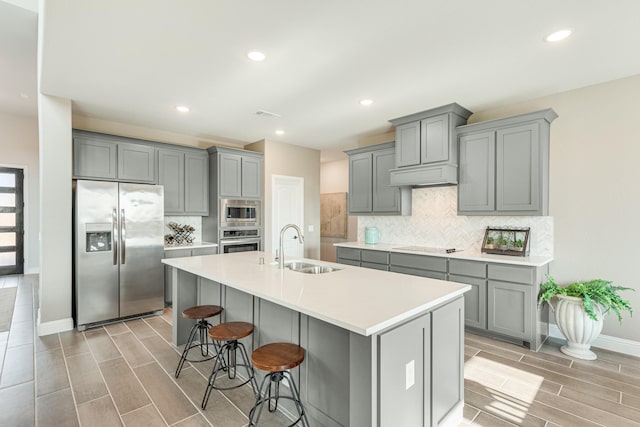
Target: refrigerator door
x: 141, y: 248
x: 95, y: 245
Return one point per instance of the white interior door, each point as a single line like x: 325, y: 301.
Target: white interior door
x: 287, y: 208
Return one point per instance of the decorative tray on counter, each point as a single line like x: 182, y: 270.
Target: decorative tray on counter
x: 506, y: 241
x: 182, y: 235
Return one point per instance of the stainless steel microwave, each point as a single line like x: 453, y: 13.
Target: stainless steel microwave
x: 239, y: 213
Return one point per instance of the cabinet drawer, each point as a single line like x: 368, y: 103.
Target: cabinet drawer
x: 348, y: 253
x: 347, y: 261
x: 511, y: 273
x: 419, y: 272
x: 177, y: 253
x: 377, y: 257
x: 422, y: 262
x: 468, y: 268
x: 204, y: 251
x: 383, y: 267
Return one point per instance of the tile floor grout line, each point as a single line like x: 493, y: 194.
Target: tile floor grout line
x: 206, y: 378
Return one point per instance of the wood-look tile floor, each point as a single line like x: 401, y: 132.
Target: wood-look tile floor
x: 122, y: 374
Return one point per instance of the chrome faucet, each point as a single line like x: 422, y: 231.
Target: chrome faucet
x: 300, y: 236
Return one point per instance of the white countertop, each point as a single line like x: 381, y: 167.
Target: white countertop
x: 361, y: 300
x: 531, y: 261
x: 194, y: 245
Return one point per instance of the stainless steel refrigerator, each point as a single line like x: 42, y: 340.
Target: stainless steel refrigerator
x: 118, y: 245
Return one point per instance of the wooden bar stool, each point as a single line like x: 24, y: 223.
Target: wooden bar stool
x: 200, y: 313
x: 230, y: 332
x: 276, y: 359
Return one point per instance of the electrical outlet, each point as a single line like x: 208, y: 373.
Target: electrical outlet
x: 410, y: 374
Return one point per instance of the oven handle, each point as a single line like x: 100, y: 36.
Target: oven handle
x: 233, y: 242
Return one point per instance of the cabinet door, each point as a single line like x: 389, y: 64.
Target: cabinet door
x: 171, y: 176
x: 518, y: 168
x: 230, y: 175
x: 196, y: 184
x: 251, y: 177
x: 509, y: 309
x: 385, y: 198
x: 408, y: 144
x: 360, y: 183
x: 136, y: 162
x: 94, y: 159
x: 434, y: 139
x: 476, y: 180
x: 475, y: 301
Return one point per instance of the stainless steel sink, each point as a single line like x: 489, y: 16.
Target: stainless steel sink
x: 308, y: 268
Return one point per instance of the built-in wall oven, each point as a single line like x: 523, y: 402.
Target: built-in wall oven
x: 239, y: 240
x: 239, y: 213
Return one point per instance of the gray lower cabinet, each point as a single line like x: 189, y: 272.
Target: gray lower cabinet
x: 510, y: 307
x: 419, y: 265
x: 108, y: 157
x: 378, y: 260
x: 504, y: 165
x: 180, y: 253
x: 370, y: 192
x: 475, y: 301
x: 238, y: 173
x: 185, y: 177
x: 349, y: 256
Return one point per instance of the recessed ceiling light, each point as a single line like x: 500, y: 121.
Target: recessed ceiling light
x: 279, y: 132
x: 182, y: 108
x: 560, y: 35
x: 366, y: 102
x: 256, y: 56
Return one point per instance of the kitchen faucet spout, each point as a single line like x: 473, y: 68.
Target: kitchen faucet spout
x: 300, y: 237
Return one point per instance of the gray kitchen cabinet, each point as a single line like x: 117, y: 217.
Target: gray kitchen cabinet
x: 475, y: 301
x: 348, y: 256
x: 238, y: 173
x: 370, y: 192
x: 510, y: 309
x: 426, y: 146
x: 109, y: 157
x: 504, y: 165
x: 185, y: 177
x: 180, y: 253
x: 419, y: 265
x: 378, y: 260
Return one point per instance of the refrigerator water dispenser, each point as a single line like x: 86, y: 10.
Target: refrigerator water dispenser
x: 98, y: 237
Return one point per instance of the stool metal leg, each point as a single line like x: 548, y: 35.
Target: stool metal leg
x: 183, y: 358
x: 273, y: 380
x: 230, y: 366
x: 202, y: 328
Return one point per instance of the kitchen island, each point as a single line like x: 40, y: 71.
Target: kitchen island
x: 382, y: 348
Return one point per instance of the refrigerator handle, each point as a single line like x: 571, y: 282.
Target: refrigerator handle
x: 114, y: 236
x: 123, y: 238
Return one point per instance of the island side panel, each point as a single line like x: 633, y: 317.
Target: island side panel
x: 325, y: 379
x: 447, y: 364
x: 363, y: 378
x: 184, y: 295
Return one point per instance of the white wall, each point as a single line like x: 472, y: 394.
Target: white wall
x: 19, y: 148
x: 594, y: 186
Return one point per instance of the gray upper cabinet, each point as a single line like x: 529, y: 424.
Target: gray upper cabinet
x: 426, y: 148
x: 196, y: 183
x: 185, y: 177
x: 504, y: 165
x: 370, y: 192
x: 238, y: 173
x: 108, y: 157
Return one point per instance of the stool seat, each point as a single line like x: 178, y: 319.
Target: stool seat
x: 276, y: 357
x: 201, y: 311
x: 230, y: 331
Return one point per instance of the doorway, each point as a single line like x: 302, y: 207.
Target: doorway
x: 287, y: 208
x: 11, y: 221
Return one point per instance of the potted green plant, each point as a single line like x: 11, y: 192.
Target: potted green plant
x: 519, y: 245
x: 489, y: 244
x: 579, y: 309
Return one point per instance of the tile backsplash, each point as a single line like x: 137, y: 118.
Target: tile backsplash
x: 434, y: 222
x: 194, y: 221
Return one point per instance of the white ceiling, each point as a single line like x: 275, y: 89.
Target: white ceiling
x: 134, y: 61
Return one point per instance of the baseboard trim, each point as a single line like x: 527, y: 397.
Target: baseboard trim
x: 606, y: 342
x: 32, y: 271
x: 55, y: 326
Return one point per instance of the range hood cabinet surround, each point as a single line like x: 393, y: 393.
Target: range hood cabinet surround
x: 426, y: 147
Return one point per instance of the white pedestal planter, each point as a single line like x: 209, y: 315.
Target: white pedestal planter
x: 576, y: 326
